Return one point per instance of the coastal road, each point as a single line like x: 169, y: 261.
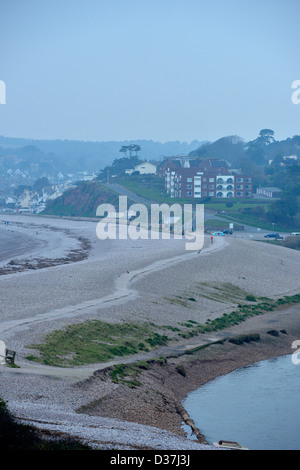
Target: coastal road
x: 131, y: 196
x: 208, y: 214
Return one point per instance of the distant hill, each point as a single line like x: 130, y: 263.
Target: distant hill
x: 230, y: 148
x: 251, y: 157
x: 258, y: 152
x: 71, y: 156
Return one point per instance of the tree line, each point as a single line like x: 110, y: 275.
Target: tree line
x: 130, y: 149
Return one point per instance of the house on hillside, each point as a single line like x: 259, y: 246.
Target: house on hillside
x: 180, y: 161
x: 205, y: 178
x: 290, y: 157
x: 10, y: 200
x: 145, y: 168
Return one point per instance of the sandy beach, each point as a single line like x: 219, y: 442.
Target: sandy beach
x: 68, y: 275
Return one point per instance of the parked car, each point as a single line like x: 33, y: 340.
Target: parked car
x: 218, y: 233
x: 228, y: 232
x: 272, y: 235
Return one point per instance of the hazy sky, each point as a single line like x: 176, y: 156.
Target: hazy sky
x: 149, y: 69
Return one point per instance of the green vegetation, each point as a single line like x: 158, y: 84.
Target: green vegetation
x: 17, y: 436
x: 152, y: 187
x: 289, y: 242
x: 127, y: 374
x: 95, y: 341
x: 243, y: 312
x: 249, y: 217
x: 273, y: 332
x: 120, y: 165
x: 218, y: 292
x: 236, y: 205
x: 82, y: 201
x: 181, y: 370
x: 284, y: 213
x: 120, y: 373
x: 241, y: 339
x: 148, y: 186
x: 253, y: 158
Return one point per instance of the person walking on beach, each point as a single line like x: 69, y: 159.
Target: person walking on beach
x: 211, y: 239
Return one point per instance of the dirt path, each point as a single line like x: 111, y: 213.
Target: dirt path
x: 280, y: 319
x: 124, y: 292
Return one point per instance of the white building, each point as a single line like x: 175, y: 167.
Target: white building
x: 145, y: 168
x: 269, y: 192
x: 290, y: 157
x: 10, y: 200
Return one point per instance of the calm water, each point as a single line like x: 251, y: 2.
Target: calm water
x: 257, y: 406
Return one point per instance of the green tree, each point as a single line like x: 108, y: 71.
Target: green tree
x: 257, y: 149
x: 130, y: 148
x: 137, y: 148
x: 124, y: 149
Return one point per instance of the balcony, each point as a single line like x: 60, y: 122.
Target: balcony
x: 225, y: 180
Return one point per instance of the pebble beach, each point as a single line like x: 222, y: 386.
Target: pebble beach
x: 67, y: 275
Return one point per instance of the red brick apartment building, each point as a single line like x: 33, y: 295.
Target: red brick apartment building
x: 207, y: 178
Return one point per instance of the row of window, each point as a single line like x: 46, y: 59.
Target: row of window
x: 223, y: 180
x: 213, y: 194
x: 212, y: 186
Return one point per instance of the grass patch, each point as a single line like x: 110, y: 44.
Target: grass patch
x: 95, y: 341
x: 127, y: 374
x: 243, y: 312
x: 250, y: 219
x: 245, y: 338
x: 221, y: 292
x: 120, y: 372
x: 157, y: 340
x: 273, y: 333
x: 250, y: 298
x: 216, y: 291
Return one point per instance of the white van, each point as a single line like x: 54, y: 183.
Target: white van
x: 295, y: 234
